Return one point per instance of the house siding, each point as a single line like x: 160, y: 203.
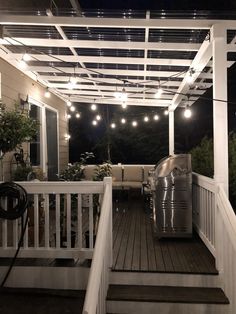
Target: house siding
x: 15, y: 85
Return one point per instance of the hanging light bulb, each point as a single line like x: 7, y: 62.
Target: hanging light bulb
x: 72, y: 82
x: 98, y: 117
x: 77, y: 115
x: 166, y: 112
x: 146, y: 119
x: 156, y: 117
x: 26, y: 57
x: 68, y: 116
x: 47, y: 93
x: 159, y: 92
x: 72, y: 108
x: 113, y: 125
x: 189, y: 77
x: 124, y: 105
x: 94, y: 122
x: 121, y: 95
x: 187, y: 112
x: 93, y: 107
x: 123, y: 121
x: 22, y: 64
x: 68, y: 103
x: 134, y: 123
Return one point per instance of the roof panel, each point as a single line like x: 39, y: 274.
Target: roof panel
x: 108, y: 34
x: 110, y: 52
x: 40, y: 50
x: 177, y: 35
x: 171, y: 54
x: 138, y: 67
x: 32, y: 31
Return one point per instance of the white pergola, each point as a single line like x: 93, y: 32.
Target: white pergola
x: 140, y: 53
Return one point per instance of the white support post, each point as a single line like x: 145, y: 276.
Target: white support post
x: 220, y: 112
x: 171, y: 133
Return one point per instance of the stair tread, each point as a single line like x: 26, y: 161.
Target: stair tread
x: 166, y: 294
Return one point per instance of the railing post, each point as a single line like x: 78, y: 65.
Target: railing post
x: 108, y: 183
x: 218, y: 234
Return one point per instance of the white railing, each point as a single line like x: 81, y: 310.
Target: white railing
x: 59, y: 214
x: 215, y: 220
x: 95, y: 300
x: 204, y: 190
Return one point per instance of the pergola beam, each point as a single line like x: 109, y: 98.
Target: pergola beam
x: 97, y: 44
x: 198, y: 64
x: 72, y: 21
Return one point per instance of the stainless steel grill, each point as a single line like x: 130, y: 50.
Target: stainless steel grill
x: 171, y: 184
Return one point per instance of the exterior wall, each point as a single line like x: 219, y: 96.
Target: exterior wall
x: 16, y: 85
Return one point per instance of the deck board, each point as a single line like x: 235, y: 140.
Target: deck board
x: 136, y: 248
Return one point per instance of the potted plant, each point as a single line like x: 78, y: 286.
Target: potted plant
x: 73, y: 172
x: 16, y: 128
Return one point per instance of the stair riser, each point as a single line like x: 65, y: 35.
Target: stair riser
x: 130, y: 307
x: 163, y: 279
x: 46, y: 277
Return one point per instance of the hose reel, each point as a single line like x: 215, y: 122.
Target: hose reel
x: 13, y: 191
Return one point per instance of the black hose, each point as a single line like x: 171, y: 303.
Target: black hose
x: 13, y: 191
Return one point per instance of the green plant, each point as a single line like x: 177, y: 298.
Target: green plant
x: 102, y: 171
x: 75, y: 172
x: 16, y: 128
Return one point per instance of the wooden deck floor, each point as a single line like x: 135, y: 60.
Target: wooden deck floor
x: 135, y: 247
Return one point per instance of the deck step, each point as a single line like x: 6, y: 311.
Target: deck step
x: 165, y: 299
x: 167, y: 294
x: 37, y: 301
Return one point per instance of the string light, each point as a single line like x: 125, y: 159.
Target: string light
x: 68, y: 103
x: 77, y: 115
x: 113, y: 125
x: 187, y: 112
x: 98, y: 117
x: 121, y: 95
x: 72, y: 108
x: 134, y: 123
x: 93, y: 107
x: 156, y: 117
x: 26, y: 57
x: 123, y: 121
x: 124, y: 105
x: 72, y: 82
x: 47, y: 93
x: 166, y: 112
x: 94, y: 122
x: 146, y: 119
x: 68, y: 116
x: 22, y: 64
x: 189, y: 77
x: 159, y: 92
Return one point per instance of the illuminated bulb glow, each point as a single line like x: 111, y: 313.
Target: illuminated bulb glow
x: 72, y: 108
x: 134, y: 123
x: 156, y: 117
x: 73, y: 80
x: 189, y: 78
x: 26, y: 57
x: 68, y: 116
x: 94, y: 122
x: 146, y: 119
x: 94, y: 107
x: 77, y: 115
x: 68, y: 103
x: 187, y: 113
x: 67, y: 137
x: 159, y: 92
x: 123, y: 121
x: 47, y: 94
x: 166, y: 112
x: 124, y: 105
x: 22, y: 64
x: 121, y: 95
x: 113, y: 125
x: 98, y: 117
